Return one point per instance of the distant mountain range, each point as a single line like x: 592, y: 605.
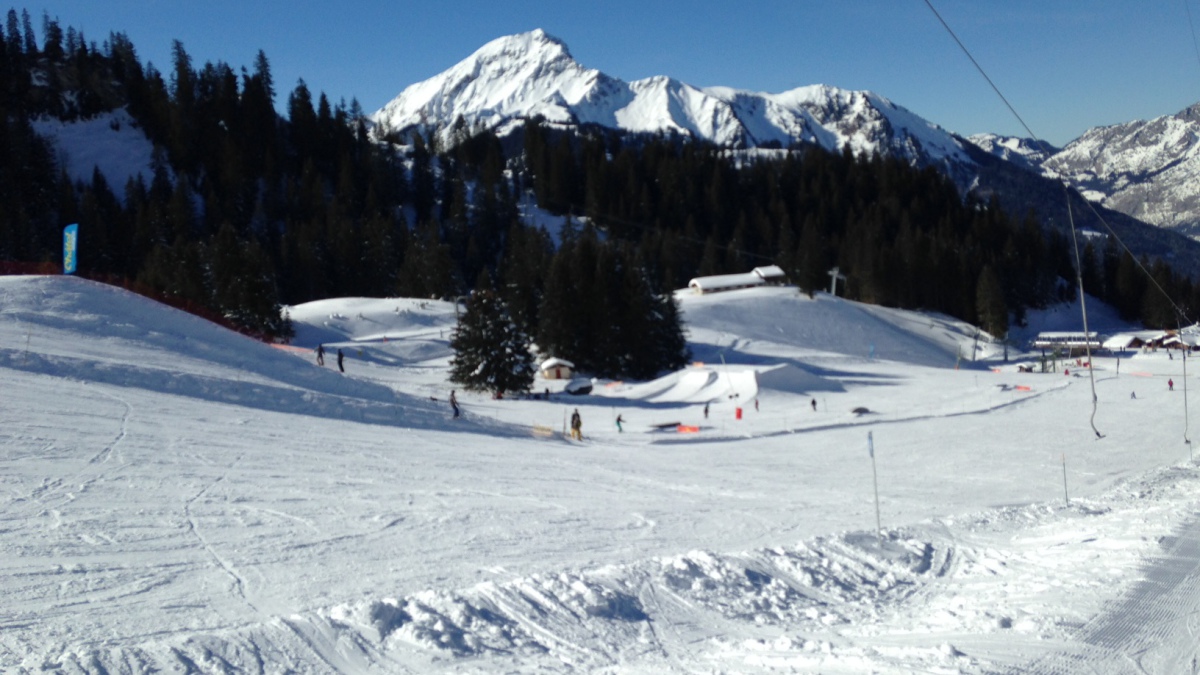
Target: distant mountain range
x: 1146, y: 170
x: 514, y: 78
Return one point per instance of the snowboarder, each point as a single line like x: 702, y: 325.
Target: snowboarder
x: 320, y: 355
x: 619, y: 420
x: 454, y: 403
x: 576, y: 426
x: 1170, y: 385
x: 814, y: 405
x: 340, y: 358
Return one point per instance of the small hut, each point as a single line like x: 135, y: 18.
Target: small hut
x: 555, y: 368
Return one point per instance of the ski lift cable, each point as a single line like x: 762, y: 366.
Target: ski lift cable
x: 1192, y: 26
x: 1062, y: 179
x: 963, y: 47
x: 1066, y: 194
x: 1184, y: 358
x: 1179, y: 312
x: 1087, y: 340
x: 684, y: 237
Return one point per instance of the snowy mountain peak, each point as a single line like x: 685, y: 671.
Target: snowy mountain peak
x: 536, y: 42
x: 1147, y: 169
x: 532, y: 74
x: 518, y: 75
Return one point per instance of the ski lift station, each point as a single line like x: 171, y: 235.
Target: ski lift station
x: 1072, y: 344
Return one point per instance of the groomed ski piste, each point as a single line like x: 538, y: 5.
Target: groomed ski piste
x: 179, y: 498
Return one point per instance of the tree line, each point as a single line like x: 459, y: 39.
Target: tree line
x: 244, y: 210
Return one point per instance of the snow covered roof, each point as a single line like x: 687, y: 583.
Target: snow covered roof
x: 725, y: 282
x: 770, y: 273
x: 554, y: 361
x: 1122, y: 341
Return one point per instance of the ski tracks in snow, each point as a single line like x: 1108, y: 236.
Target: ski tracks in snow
x: 1152, y: 628
x: 239, y: 582
x: 108, y: 458
x: 113, y: 450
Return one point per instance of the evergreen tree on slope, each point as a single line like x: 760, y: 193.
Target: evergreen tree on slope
x: 491, y: 353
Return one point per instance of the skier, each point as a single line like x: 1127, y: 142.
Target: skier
x: 454, y: 403
x: 576, y: 426
x: 814, y: 405
x: 320, y: 355
x: 340, y: 358
x: 1170, y: 385
x: 756, y: 405
x: 619, y: 420
x: 705, y: 411
x: 1133, y: 394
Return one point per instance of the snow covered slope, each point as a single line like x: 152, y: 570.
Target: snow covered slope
x: 1147, y: 169
x: 1024, y: 152
x: 519, y: 77
x: 111, y: 143
x: 177, y: 498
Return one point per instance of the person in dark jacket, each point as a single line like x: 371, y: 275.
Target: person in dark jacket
x: 320, y: 355
x: 454, y: 403
x: 341, y: 356
x: 576, y: 425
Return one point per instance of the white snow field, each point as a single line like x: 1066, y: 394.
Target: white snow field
x: 178, y: 498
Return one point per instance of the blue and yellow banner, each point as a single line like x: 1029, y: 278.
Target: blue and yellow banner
x: 70, y: 248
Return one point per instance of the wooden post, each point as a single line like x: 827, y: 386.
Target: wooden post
x: 1066, y: 495
x: 875, y: 483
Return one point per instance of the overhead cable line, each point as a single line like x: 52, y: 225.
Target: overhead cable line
x: 1180, y: 314
x: 1191, y: 25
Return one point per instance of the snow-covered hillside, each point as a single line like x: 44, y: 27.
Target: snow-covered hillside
x: 519, y: 77
x: 1024, y: 152
x: 176, y: 497
x: 1147, y: 169
x: 111, y: 143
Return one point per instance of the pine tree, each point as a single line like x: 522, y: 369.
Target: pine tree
x: 990, y: 305
x: 491, y: 353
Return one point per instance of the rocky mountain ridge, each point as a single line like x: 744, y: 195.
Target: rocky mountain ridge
x: 517, y: 77
x: 1144, y: 169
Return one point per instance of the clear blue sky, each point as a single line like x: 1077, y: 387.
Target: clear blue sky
x: 1065, y: 65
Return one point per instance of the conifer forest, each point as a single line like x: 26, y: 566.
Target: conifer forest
x: 262, y: 197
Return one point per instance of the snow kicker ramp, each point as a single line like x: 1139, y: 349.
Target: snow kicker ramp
x: 790, y: 379
x: 699, y: 385
x: 692, y: 385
